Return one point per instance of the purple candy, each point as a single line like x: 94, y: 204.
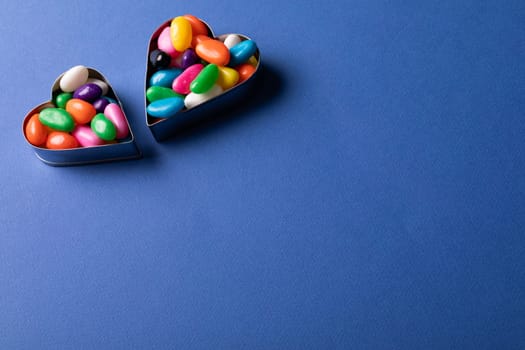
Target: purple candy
x: 100, y: 104
x: 189, y: 58
x: 88, y: 92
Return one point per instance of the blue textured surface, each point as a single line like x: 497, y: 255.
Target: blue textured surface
x: 371, y: 196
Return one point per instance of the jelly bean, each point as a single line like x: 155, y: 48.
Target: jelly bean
x: 101, y: 104
x: 164, y: 77
x: 62, y: 99
x: 103, y: 127
x: 205, y: 80
x: 193, y: 99
x: 197, y: 26
x: 197, y: 39
x: 245, y: 71
x: 180, y: 33
x: 81, y: 111
x: 253, y: 61
x: 227, y: 78
x: 88, y: 92
x: 115, y: 114
x: 181, y: 84
x: 164, y: 43
x: 73, y: 78
x: 57, y: 119
x: 232, y: 40
x: 189, y: 58
x: 176, y: 62
x: 36, y: 132
x: 154, y: 93
x: 159, y: 59
x: 61, y: 140
x: 102, y: 84
x: 86, y: 137
x: 241, y: 52
x: 166, y: 107
x: 213, y: 51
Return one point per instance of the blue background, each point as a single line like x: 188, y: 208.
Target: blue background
x: 370, y: 196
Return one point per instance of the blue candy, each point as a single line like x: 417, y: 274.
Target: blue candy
x: 165, y: 108
x: 164, y: 77
x: 241, y: 52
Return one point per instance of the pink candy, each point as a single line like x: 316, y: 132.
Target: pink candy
x: 181, y: 84
x: 86, y: 137
x: 115, y: 114
x: 164, y: 43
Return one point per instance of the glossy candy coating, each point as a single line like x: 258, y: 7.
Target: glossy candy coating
x: 197, y: 39
x: 100, y: 104
x: 194, y: 99
x: 57, y: 119
x: 102, y: 84
x: 35, y: 131
x: 166, y: 107
x: 159, y: 59
x: 205, y: 79
x: 197, y: 26
x: 245, y: 70
x: 114, y: 113
x: 181, y: 33
x: 227, y: 78
x: 241, y: 52
x: 154, y: 93
x: 103, y: 127
x: 61, y: 140
x: 164, y: 43
x: 88, y: 92
x: 86, y: 137
x: 181, y: 84
x: 213, y: 51
x: 189, y: 58
x: 164, y: 77
x: 232, y: 40
x: 61, y: 99
x: 81, y: 111
x: 73, y: 78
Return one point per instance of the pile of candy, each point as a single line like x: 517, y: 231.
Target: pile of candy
x: 83, y: 115
x: 190, y: 67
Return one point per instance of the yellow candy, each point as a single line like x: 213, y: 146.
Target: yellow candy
x: 228, y: 77
x: 180, y: 33
x: 253, y: 61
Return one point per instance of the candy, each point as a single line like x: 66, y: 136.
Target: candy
x: 61, y: 140
x: 227, y: 78
x: 88, y: 92
x: 245, y: 71
x: 199, y: 39
x: 159, y: 59
x: 57, y: 119
x: 62, y: 99
x: 189, y: 58
x: 36, y: 132
x: 86, y: 137
x: 103, y: 85
x: 115, y: 114
x: 73, y: 78
x: 103, y: 127
x: 154, y: 93
x: 164, y: 43
x: 181, y: 84
x: 164, y: 77
x: 81, y: 111
x: 205, y: 80
x: 166, y: 107
x: 241, y: 52
x: 197, y: 27
x: 194, y: 99
x: 180, y: 33
x: 213, y: 51
x: 101, y: 104
x: 232, y: 40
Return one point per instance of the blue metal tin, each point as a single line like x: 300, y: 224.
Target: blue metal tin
x: 164, y: 128
x: 124, y: 149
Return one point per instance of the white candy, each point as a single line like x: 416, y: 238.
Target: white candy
x: 100, y: 83
x: 74, y: 78
x: 231, y: 40
x: 192, y: 99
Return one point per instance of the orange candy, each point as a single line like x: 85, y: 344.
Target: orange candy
x: 81, y: 111
x: 61, y: 140
x: 36, y: 132
x: 197, y: 39
x: 213, y: 51
x: 245, y: 71
x: 197, y: 27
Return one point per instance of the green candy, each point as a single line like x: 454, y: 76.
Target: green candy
x: 62, y: 99
x: 57, y: 118
x: 155, y: 93
x: 205, y: 79
x: 103, y: 127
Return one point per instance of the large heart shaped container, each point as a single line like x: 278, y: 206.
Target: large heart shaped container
x: 124, y: 149
x: 163, y: 128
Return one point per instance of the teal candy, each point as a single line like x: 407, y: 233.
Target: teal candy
x: 241, y: 52
x: 165, y: 108
x: 164, y: 77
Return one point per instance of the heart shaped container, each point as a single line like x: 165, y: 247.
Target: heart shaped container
x: 124, y: 149
x: 163, y: 128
